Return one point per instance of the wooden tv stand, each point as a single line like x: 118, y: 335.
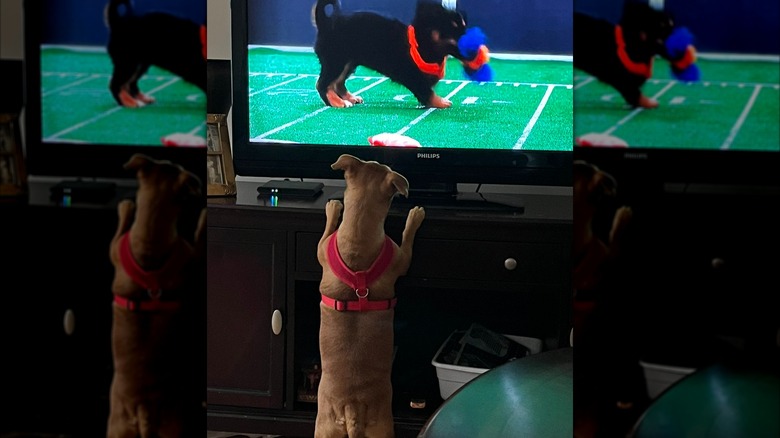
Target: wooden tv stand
x: 262, y: 262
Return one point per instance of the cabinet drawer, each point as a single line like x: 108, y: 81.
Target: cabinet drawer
x: 490, y: 261
x: 467, y: 260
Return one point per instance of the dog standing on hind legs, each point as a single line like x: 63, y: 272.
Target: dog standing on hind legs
x: 360, y: 265
x: 152, y: 394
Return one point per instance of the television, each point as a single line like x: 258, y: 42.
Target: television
x: 718, y: 133
x: 74, y: 128
x: 513, y: 129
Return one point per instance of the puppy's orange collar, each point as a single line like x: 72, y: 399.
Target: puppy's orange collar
x: 359, y: 280
x: 636, y: 68
x: 425, y: 67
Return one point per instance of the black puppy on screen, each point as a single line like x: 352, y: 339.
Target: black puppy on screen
x: 137, y: 42
x: 411, y: 55
x: 622, y: 54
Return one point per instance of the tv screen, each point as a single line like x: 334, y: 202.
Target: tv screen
x: 97, y: 94
x: 511, y: 127
x: 716, y: 117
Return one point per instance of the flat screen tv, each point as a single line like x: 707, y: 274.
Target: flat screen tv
x: 74, y: 126
x: 515, y: 128
x: 720, y: 130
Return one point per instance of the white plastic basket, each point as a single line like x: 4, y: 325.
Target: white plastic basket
x: 452, y: 377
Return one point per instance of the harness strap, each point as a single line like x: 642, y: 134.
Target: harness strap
x: 355, y: 306
x: 430, y: 68
x: 145, y: 279
x: 148, y: 280
x: 637, y: 68
x: 359, y: 280
x: 134, y: 305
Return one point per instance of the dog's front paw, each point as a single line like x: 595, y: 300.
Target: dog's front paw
x: 439, y: 102
x: 352, y: 98
x: 647, y: 102
x: 336, y: 101
x: 415, y: 218
x: 333, y: 208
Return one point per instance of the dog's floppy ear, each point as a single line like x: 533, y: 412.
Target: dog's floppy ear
x: 137, y: 161
x: 345, y: 161
x: 400, y: 183
x: 189, y: 183
x: 602, y: 187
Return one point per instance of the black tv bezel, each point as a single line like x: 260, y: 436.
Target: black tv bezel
x: 75, y: 160
x: 680, y: 170
x: 430, y: 166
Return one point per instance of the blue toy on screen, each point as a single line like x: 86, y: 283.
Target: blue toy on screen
x: 472, y: 46
x: 682, y: 55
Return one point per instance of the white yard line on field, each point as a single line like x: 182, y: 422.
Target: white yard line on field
x: 738, y: 125
x: 71, y: 84
x: 530, y: 125
x: 278, y: 85
x: 636, y: 111
x: 430, y: 110
x: 312, y: 114
x: 106, y: 113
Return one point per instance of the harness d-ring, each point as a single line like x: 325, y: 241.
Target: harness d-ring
x: 357, y: 292
x: 154, y: 294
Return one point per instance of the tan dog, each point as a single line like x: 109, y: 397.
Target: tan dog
x: 593, y: 258
x: 592, y: 187
x: 356, y: 346
x: 152, y: 264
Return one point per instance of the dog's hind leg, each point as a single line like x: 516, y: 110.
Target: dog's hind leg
x: 326, y: 85
x: 120, y: 78
x: 355, y: 416
x: 134, y: 91
x: 341, y: 86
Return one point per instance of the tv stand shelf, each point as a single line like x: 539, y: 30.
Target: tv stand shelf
x: 509, y: 272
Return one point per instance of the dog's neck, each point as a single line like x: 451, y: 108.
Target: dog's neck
x: 150, y: 241
x: 363, y: 233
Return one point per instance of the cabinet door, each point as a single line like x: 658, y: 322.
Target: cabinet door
x: 246, y: 280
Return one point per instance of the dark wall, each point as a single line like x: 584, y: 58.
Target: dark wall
x: 741, y: 26
x: 530, y: 26
x: 81, y: 22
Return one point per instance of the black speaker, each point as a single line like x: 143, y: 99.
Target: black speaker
x: 219, y: 91
x: 11, y: 86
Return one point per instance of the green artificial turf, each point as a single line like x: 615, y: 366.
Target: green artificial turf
x: 734, y: 106
x: 527, y: 105
x: 78, y: 106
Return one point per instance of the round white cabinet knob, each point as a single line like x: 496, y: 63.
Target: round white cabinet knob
x: 69, y: 322
x: 276, y: 322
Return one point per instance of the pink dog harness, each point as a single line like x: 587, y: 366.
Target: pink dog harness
x: 146, y: 279
x: 359, y: 280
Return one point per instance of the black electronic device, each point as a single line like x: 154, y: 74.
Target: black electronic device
x: 91, y: 192
x: 286, y: 189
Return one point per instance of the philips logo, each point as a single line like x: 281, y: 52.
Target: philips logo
x: 428, y: 156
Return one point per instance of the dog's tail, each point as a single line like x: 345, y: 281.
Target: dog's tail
x: 116, y: 9
x: 320, y: 14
